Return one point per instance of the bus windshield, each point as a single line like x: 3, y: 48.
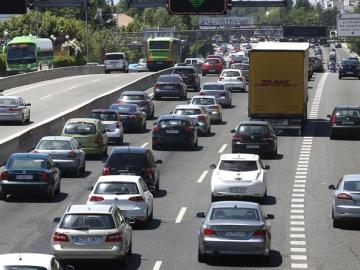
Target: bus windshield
x: 156, y: 45
x: 21, y: 53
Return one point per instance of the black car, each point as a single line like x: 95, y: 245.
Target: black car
x: 134, y: 160
x: 30, y: 173
x: 254, y: 137
x: 189, y: 75
x: 316, y: 63
x: 170, y: 86
x: 140, y: 98
x: 174, y: 129
x: 344, y: 120
x: 131, y: 116
x: 349, y: 68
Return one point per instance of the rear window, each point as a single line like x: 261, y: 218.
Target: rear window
x: 231, y: 74
x: 237, y: 57
x: 238, y: 165
x: 114, y: 57
x: 252, y: 130
x: 188, y: 111
x: 123, y: 161
x: 213, y: 92
x: 54, y: 145
x: 104, y: 116
x: 350, y: 63
x: 168, y: 79
x: 20, y: 164
x: 352, y: 185
x: 235, y: 214
x: 124, y: 108
x: 8, y: 102
x: 132, y: 97
x: 80, y: 128
x: 212, y: 61
x: 213, y: 87
x: 88, y: 221
x: 172, y: 123
x: 203, y: 101
x: 159, y: 45
x: 183, y: 71
x: 118, y: 188
x: 345, y: 113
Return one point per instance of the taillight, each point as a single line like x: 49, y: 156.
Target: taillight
x: 136, y: 199
x: 157, y: 85
x: 71, y: 154
x: 44, y: 176
x: 214, y: 107
x: 106, y: 171
x: 237, y: 137
x: 208, y: 232
x: 156, y: 129
x: 201, y: 117
x: 333, y: 119
x: 4, y: 176
x: 114, y: 237
x: 202, y: 94
x: 189, y: 129
x: 15, y: 109
x: 148, y: 172
x: 268, y: 137
x: 221, y: 78
x: 260, y: 233
x: 95, y: 198
x: 240, y: 78
x: 344, y: 196
x: 98, y: 141
x: 60, y: 237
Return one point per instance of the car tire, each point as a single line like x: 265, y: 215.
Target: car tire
x: 151, y: 217
x: 208, y: 133
x: 201, y: 257
x: 157, y: 186
x: 50, y: 195
x: 77, y: 171
x: 3, y: 196
x: 28, y: 119
x: 340, y: 77
x: 203, y: 73
x: 213, y: 198
x: 83, y: 168
x: 22, y: 120
x: 58, y: 189
x: 337, y: 223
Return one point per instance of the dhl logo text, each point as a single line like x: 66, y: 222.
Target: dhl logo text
x: 283, y: 83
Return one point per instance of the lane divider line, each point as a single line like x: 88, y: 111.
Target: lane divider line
x: 145, y: 144
x: 222, y: 149
x: 157, y: 265
x: 46, y: 97
x: 181, y: 214
x: 73, y: 87
x: 202, y: 176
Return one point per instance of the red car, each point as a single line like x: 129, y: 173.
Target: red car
x: 216, y: 56
x: 211, y: 65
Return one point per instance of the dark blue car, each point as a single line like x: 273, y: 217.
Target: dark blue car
x: 30, y: 173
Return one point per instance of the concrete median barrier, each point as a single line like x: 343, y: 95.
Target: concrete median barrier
x: 26, y: 139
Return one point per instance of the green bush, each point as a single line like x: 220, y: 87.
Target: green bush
x: 2, y: 63
x: 63, y: 60
x: 80, y: 60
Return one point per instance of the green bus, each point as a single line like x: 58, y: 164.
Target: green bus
x: 27, y: 53
x: 162, y: 52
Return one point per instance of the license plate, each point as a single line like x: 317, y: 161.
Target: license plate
x: 349, y: 73
x: 253, y: 146
x: 212, y: 70
x: 24, y: 177
x: 172, y: 131
x: 235, y: 234
x: 88, y: 239
x: 348, y: 122
x: 238, y: 190
x: 168, y: 87
x: 123, y: 117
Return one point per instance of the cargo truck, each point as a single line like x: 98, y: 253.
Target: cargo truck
x: 278, y: 84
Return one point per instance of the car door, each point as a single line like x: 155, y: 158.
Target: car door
x: 123, y: 227
x: 25, y: 109
x: 147, y: 194
x: 152, y: 162
x: 103, y: 134
x: 55, y: 172
x: 80, y: 154
x: 148, y: 99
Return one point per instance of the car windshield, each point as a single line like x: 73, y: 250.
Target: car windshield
x: 118, y: 188
x: 238, y: 165
x: 227, y: 213
x: 124, y: 108
x: 168, y: 79
x: 80, y: 128
x: 104, y: 116
x: 8, y: 102
x: 187, y: 111
x: 132, y: 97
x: 352, y: 186
x: 213, y: 87
x: 213, y: 93
x: 88, y: 221
x: 346, y: 112
x: 172, y: 123
x: 28, y: 163
x: 203, y: 101
x: 183, y: 71
x: 350, y: 63
x: 21, y: 267
x: 252, y: 130
x: 123, y: 161
x: 231, y: 74
x: 54, y: 145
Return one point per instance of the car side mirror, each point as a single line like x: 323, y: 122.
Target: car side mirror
x: 200, y: 215
x: 152, y: 190
x: 233, y: 131
x: 266, y: 167
x: 28, y: 104
x: 129, y: 220
x: 90, y: 188
x: 213, y: 166
x: 331, y: 187
x: 56, y: 220
x: 269, y: 216
x: 328, y: 116
x: 158, y: 161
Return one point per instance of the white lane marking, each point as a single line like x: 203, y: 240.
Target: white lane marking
x: 73, y: 87
x: 94, y: 81
x: 303, y: 165
x: 202, y: 176
x: 297, y: 211
x: 46, y: 97
x: 297, y: 235
x: 302, y: 168
x: 297, y: 223
x: 180, y: 215
x: 299, y: 185
x: 301, y: 190
x: 297, y: 200
x: 299, y: 265
x: 299, y: 257
x: 157, y: 265
x: 298, y: 195
x: 298, y: 243
x: 297, y: 172
x: 297, y: 229
x: 222, y: 148
x: 297, y: 205
x: 297, y: 249
x: 144, y: 145
x: 303, y: 162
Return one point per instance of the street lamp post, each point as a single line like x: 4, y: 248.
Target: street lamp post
x: 6, y: 34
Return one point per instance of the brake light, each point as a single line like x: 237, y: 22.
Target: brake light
x: 148, y: 172
x: 208, y: 232
x: 240, y: 78
x: 44, y: 176
x: 4, y: 176
x: 344, y: 196
x: 136, y: 199
x: 333, y: 119
x: 214, y: 107
x: 221, y: 78
x: 95, y: 198
x: 202, y: 94
x: 156, y: 129
x: 60, y: 237
x: 260, y: 233
x: 201, y: 117
x: 189, y: 129
x: 268, y: 137
x: 15, y: 109
x: 106, y: 171
x: 157, y: 85
x: 71, y: 154
x: 114, y: 237
x: 98, y: 141
x: 237, y: 137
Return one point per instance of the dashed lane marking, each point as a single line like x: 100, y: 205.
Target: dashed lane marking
x: 46, y: 97
x: 73, y: 87
x: 181, y: 214
x: 202, y: 176
x: 222, y: 148
x: 157, y: 265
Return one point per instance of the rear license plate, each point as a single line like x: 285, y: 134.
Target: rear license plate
x: 88, y: 239
x: 348, y: 122
x: 252, y: 146
x: 123, y: 117
x: 212, y: 70
x: 238, y: 190
x: 24, y: 177
x: 172, y: 131
x: 235, y: 234
x: 349, y: 73
x: 168, y: 87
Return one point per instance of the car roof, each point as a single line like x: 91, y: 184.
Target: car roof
x: 129, y: 149
x: 89, y: 209
x: 57, y: 138
x: 33, y: 259
x: 30, y: 155
x: 240, y: 204
x: 230, y: 69
x: 104, y: 111
x: 132, y: 93
x: 351, y: 177
x: 188, y: 106
x: 123, y: 178
x: 173, y: 116
x: 347, y: 107
x: 239, y: 157
x: 255, y: 123
x: 85, y: 120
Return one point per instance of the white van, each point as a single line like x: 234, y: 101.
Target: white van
x: 116, y: 61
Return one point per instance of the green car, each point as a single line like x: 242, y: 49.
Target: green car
x: 89, y: 133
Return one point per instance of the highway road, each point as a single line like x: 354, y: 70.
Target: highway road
x: 302, y: 232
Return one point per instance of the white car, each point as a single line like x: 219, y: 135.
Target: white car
x: 31, y: 261
x: 213, y: 109
x: 234, y: 79
x: 129, y: 192
x: 239, y: 175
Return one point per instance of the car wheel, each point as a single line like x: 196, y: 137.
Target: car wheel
x: 58, y: 189
x: 77, y: 171
x: 83, y: 168
x: 144, y: 127
x: 3, y: 196
x: 150, y: 218
x: 336, y: 223
x: 201, y: 257
x: 28, y: 119
x: 157, y: 186
x: 51, y: 194
x: 22, y: 120
x: 213, y: 198
x: 208, y: 133
x: 340, y: 77
x: 129, y: 253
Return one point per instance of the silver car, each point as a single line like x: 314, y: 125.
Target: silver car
x: 346, y: 199
x: 197, y: 114
x: 86, y: 232
x: 14, y: 109
x: 140, y: 98
x: 213, y: 109
x: 112, y: 124
x: 234, y: 228
x: 65, y: 152
x: 234, y: 79
x: 223, y: 97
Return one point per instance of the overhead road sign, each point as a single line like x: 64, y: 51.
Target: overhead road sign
x: 58, y: 3
x: 197, y: 7
x: 262, y: 3
x: 305, y: 31
x: 348, y: 25
x: 12, y: 6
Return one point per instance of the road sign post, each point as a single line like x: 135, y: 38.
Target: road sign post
x: 348, y: 25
